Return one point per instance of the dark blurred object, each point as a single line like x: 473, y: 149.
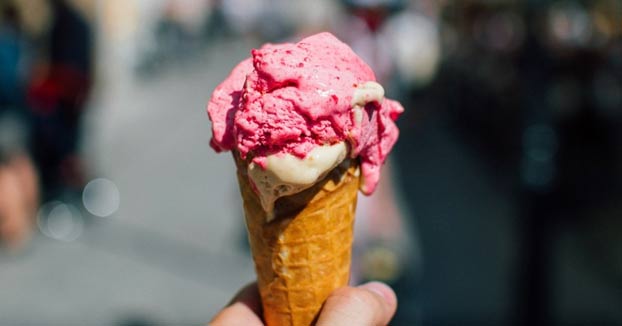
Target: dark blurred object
x: 389, y: 5
x: 569, y: 163
x: 513, y: 150
x: 56, y: 95
x: 10, y: 53
x: 136, y: 320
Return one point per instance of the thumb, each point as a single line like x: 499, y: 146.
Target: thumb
x: 371, y: 304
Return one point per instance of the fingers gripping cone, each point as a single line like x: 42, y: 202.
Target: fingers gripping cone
x: 303, y: 254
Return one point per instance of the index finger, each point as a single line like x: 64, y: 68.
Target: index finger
x: 244, y: 309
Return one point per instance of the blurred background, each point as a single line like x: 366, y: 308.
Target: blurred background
x: 501, y: 204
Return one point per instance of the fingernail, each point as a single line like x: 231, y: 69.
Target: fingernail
x: 379, y: 288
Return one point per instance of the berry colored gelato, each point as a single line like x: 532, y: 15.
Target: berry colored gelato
x: 307, y: 105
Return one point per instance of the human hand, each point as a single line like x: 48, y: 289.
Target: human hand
x: 371, y: 304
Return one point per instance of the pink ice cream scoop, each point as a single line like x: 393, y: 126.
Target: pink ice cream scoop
x: 292, y: 98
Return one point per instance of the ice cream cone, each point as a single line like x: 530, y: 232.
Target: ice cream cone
x: 303, y: 254
x: 304, y: 117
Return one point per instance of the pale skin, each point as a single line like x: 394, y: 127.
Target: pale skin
x: 18, y: 201
x: 371, y: 304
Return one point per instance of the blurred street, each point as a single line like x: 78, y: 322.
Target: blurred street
x: 166, y: 253
x: 499, y: 205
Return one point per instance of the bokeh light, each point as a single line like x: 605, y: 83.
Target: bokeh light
x: 60, y: 221
x: 101, y: 197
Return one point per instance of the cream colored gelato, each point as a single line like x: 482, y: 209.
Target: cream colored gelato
x: 286, y: 174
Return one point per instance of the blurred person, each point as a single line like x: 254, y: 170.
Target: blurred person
x: 59, y: 87
x: 385, y: 246
x: 180, y: 31
x: 215, y: 25
x: 171, y: 35
x: 370, y: 304
x: 265, y: 20
x: 360, y: 28
x: 18, y: 178
x: 178, y: 28
x: 402, y: 41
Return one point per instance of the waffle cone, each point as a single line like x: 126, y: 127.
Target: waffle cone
x: 303, y: 254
